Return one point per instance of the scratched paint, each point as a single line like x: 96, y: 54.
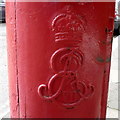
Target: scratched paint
x: 60, y: 51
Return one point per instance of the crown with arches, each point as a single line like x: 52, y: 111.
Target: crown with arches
x: 68, y: 26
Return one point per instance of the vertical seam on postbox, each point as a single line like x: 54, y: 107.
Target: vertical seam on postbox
x: 105, y: 85
x: 17, y: 85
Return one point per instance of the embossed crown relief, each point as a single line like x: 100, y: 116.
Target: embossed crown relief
x: 65, y: 87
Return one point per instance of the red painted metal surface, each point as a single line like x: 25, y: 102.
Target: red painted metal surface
x: 59, y: 58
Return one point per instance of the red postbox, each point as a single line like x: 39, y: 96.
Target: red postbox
x: 59, y: 58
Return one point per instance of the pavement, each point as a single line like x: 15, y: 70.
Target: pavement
x: 112, y: 109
